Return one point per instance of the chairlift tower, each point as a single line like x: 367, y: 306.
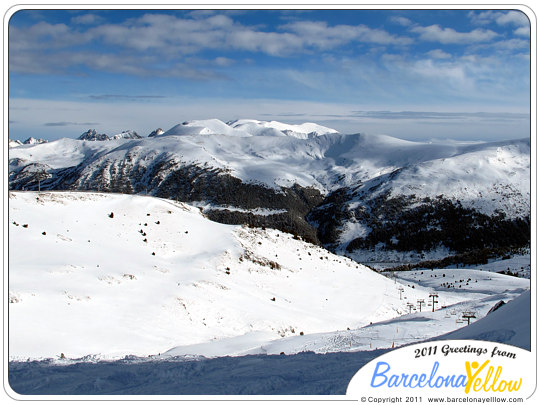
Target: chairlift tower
x: 468, y: 315
x: 433, y: 300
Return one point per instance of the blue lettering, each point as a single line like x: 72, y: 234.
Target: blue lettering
x: 404, y: 380
x: 463, y: 381
x: 433, y: 372
x: 381, y: 374
x: 393, y: 381
x: 421, y: 380
x: 414, y: 377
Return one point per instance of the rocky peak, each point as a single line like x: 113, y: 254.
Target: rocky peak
x: 92, y: 135
x: 129, y: 134
x: 156, y: 132
x: 34, y: 141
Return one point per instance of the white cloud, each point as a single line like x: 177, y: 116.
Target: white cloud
x: 512, y: 44
x: 223, y: 61
x: 523, y: 31
x: 512, y: 17
x: 137, y: 45
x: 516, y: 18
x: 43, y: 35
x: 401, y: 21
x: 439, y: 54
x: 87, y: 19
x: 450, y: 72
x: 323, y: 36
x: 435, y: 33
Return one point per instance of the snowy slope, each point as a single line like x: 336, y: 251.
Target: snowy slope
x: 118, y: 274
x: 476, y: 175
x: 303, y: 373
x: 479, y: 295
x: 510, y: 324
x: 275, y: 128
x: 204, y: 127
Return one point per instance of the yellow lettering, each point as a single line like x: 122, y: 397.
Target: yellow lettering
x: 501, y: 387
x: 515, y: 387
x: 488, y: 376
x: 470, y: 375
x: 477, y: 383
x: 497, y: 374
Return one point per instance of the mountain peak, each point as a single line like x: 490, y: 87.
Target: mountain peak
x: 14, y: 143
x: 34, y: 141
x: 92, y: 135
x: 156, y: 132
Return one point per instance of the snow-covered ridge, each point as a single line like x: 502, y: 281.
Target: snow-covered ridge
x: 275, y: 128
x: 247, y: 128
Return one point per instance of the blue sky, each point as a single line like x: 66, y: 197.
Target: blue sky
x: 413, y: 74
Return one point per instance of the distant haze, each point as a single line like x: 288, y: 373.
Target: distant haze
x: 144, y: 118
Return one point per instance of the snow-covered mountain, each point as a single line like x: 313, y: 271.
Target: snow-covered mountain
x: 248, y: 128
x: 357, y: 194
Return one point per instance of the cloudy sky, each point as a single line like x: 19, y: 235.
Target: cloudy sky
x: 413, y: 74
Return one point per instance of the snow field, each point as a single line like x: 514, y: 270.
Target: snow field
x: 92, y: 284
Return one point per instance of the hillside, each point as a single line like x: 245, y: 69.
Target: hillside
x: 118, y: 274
